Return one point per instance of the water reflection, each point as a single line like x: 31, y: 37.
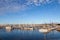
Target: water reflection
x: 28, y: 35
x: 58, y: 30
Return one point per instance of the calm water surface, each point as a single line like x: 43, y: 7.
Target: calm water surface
x: 28, y: 35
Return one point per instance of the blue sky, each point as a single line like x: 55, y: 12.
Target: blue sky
x: 29, y: 11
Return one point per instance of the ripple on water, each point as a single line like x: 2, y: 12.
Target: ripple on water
x: 29, y: 35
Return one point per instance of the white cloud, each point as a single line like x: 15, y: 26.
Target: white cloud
x: 15, y: 5
x: 38, y: 2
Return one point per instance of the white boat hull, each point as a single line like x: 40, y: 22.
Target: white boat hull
x: 44, y: 30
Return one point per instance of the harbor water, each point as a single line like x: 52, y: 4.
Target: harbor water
x: 28, y: 35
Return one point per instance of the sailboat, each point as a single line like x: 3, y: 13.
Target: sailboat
x: 45, y: 29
